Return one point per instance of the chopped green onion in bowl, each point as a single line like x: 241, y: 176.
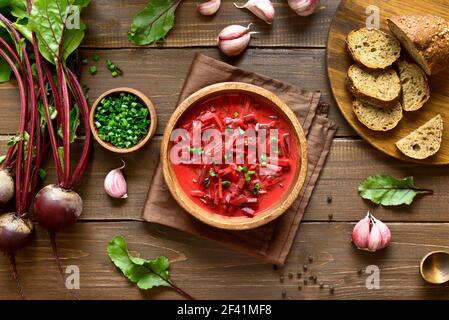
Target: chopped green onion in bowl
x: 122, y: 120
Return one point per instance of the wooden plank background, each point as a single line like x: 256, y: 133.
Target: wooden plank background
x: 293, y: 50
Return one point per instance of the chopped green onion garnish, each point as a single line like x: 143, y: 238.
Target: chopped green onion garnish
x: 93, y: 70
x: 236, y: 114
x: 96, y: 57
x: 226, y: 184
x: 256, y: 188
x: 212, y: 173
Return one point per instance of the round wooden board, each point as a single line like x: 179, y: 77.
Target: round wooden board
x: 351, y: 15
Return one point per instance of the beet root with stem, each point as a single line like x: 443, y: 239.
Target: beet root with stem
x: 56, y: 208
x: 15, y: 234
x: 6, y: 187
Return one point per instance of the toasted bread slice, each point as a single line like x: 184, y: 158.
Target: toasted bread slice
x: 381, y: 88
x: 375, y: 118
x: 424, y: 141
x: 373, y: 48
x: 415, y: 88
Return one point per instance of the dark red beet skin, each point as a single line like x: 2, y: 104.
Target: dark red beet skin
x: 15, y: 232
x: 56, y: 208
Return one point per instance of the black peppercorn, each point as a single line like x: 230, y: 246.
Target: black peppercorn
x: 284, y: 294
x: 331, y: 289
x: 281, y: 278
x: 329, y: 199
x: 298, y: 275
x: 290, y: 275
x: 305, y: 267
x: 311, y: 259
x: 330, y: 216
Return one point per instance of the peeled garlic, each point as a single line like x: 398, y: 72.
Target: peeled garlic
x: 234, y: 39
x: 115, y: 184
x: 304, y: 7
x: 371, y: 234
x: 208, y: 8
x: 263, y: 9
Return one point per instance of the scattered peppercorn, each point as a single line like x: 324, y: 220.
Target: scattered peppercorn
x: 305, y: 282
x: 311, y: 259
x: 321, y: 285
x: 281, y: 278
x: 275, y: 267
x: 298, y: 275
x: 299, y: 287
x: 329, y: 199
x: 314, y: 279
x: 359, y: 272
x: 330, y: 216
x: 305, y: 267
x: 290, y: 275
x: 284, y: 293
x: 122, y: 120
x: 331, y: 289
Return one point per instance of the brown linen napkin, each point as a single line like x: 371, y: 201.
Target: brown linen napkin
x: 273, y: 241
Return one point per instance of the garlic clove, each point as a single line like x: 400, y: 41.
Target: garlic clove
x: 115, y: 184
x: 234, y: 39
x: 304, y: 7
x: 384, y: 231
x: 375, y: 238
x: 233, y: 31
x: 234, y: 47
x: 208, y: 8
x: 361, y: 232
x: 263, y: 9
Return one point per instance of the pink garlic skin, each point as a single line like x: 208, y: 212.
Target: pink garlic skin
x: 208, y: 8
x: 263, y: 9
x: 234, y: 39
x: 361, y: 231
x: 304, y: 7
x: 371, y: 234
x: 115, y: 184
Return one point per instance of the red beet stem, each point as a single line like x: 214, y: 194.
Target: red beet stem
x: 58, y: 261
x: 65, y: 124
x: 51, y: 131
x: 84, y: 110
x: 15, y: 274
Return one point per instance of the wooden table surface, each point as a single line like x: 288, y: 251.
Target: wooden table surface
x: 292, y: 50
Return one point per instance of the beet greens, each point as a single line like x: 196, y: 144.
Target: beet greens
x: 52, y: 107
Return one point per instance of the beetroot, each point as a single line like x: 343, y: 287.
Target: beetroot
x: 56, y: 208
x: 6, y: 187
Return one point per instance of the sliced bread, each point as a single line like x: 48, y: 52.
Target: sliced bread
x: 381, y: 88
x: 373, y: 48
x: 375, y: 118
x: 426, y: 39
x: 415, y: 88
x: 424, y: 141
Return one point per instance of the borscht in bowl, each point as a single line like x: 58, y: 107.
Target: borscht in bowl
x: 234, y: 156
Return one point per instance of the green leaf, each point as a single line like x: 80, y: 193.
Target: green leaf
x: 153, y: 22
x: 73, y: 124
x: 50, y: 20
x: 5, y: 71
x: 2, y: 159
x: 146, y: 274
x: 389, y: 191
x: 42, y: 115
x: 61, y: 155
x: 14, y: 140
x: 42, y: 174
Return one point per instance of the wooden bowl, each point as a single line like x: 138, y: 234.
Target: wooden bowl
x: 219, y: 221
x: 144, y: 100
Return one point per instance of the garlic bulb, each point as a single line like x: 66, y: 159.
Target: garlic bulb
x: 234, y: 39
x: 208, y: 8
x: 304, y: 7
x: 263, y: 9
x: 115, y: 184
x: 371, y: 234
